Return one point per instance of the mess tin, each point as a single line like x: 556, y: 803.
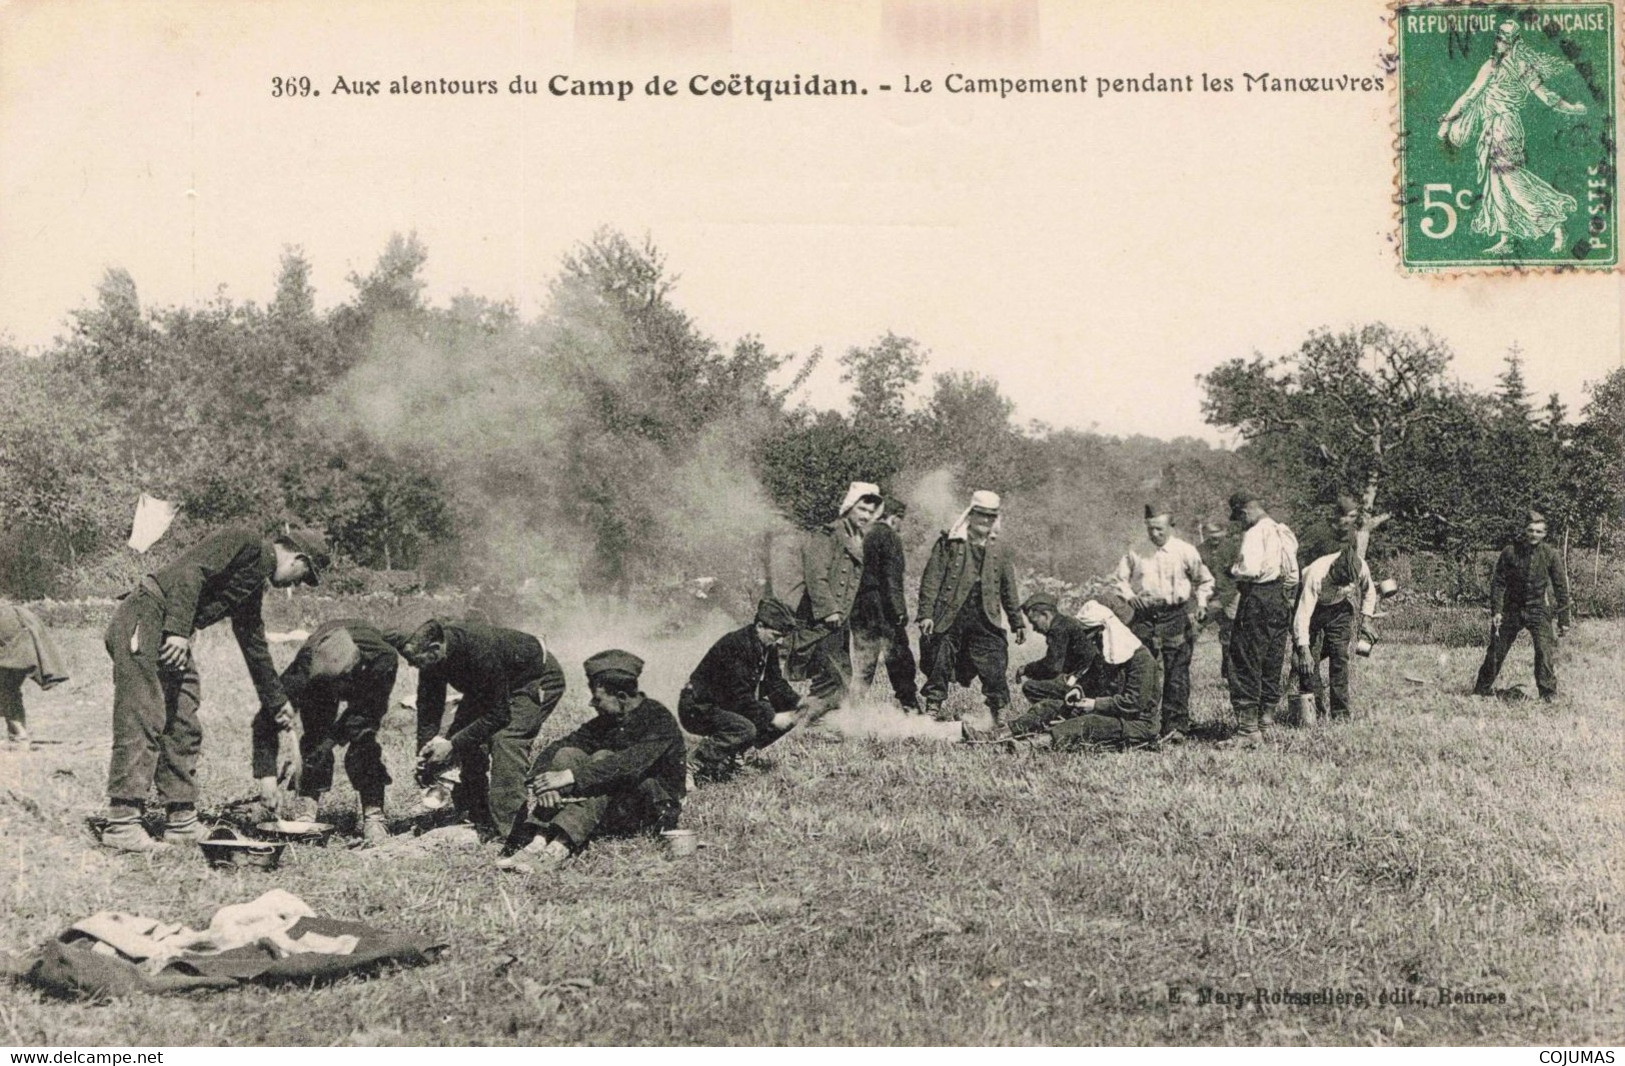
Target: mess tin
x: 226, y: 847
x: 295, y: 831
x: 680, y: 842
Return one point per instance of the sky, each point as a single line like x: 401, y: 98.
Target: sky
x: 1094, y: 254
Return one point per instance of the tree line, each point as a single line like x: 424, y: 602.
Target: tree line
x: 609, y: 445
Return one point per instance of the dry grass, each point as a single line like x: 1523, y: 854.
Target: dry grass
x: 890, y: 887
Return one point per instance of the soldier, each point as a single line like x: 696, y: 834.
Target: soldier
x: 625, y: 768
x: 1069, y: 651
x: 831, y: 564
x: 880, y: 614
x: 1266, y: 573
x: 968, y: 580
x: 737, y: 698
x: 1323, y: 625
x: 1117, y: 705
x: 510, y: 684
x: 156, y: 733
x: 1528, y: 590
x: 26, y: 651
x: 1218, y: 551
x: 349, y: 663
x: 1168, y: 586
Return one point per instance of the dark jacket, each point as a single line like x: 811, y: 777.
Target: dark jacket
x: 948, y: 580
x: 1068, y: 651
x: 881, y: 604
x: 1528, y: 579
x: 1130, y: 692
x: 646, y: 743
x: 831, y: 563
x: 371, y: 677
x: 224, y: 575
x: 487, y: 664
x: 1219, y: 553
x: 741, y: 675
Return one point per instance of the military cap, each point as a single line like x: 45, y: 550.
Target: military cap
x: 895, y: 506
x: 1238, y: 503
x: 1534, y: 516
x: 313, y: 546
x: 1041, y: 601
x: 613, y: 665
x: 1157, y: 510
x: 773, y: 613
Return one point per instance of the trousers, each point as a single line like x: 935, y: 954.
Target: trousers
x: 888, y: 647
x: 723, y: 734
x: 1331, y: 636
x: 156, y: 733
x: 1544, y: 635
x: 1258, y: 641
x: 1167, y: 633
x: 645, y: 807
x: 970, y: 648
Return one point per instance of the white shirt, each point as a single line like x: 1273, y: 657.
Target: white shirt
x: 1269, y: 551
x: 1165, y: 576
x: 1315, y: 591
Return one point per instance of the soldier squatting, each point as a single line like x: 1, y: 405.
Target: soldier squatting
x: 1115, y: 675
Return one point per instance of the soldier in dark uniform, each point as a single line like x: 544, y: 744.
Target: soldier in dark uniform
x: 1118, y: 708
x: 626, y: 767
x: 831, y: 564
x: 156, y: 733
x: 968, y: 580
x: 510, y: 684
x: 1218, y: 551
x: 1069, y: 652
x: 1528, y: 590
x: 880, y: 615
x: 349, y: 663
x: 737, y: 698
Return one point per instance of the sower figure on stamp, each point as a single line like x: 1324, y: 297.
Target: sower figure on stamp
x: 26, y: 652
x: 968, y: 580
x: 339, y: 682
x: 1266, y: 573
x: 831, y: 565
x: 880, y: 614
x: 737, y: 698
x: 156, y: 733
x: 623, y: 770
x: 1334, y: 588
x: 1218, y: 550
x: 1070, y: 654
x: 1169, y: 586
x: 1116, y: 707
x: 1528, y: 590
x: 1512, y: 200
x: 510, y: 684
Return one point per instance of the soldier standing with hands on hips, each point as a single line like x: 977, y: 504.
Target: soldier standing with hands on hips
x: 156, y: 733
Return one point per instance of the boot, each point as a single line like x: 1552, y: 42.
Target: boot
x: 182, y: 826
x: 124, y: 832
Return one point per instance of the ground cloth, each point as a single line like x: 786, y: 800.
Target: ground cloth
x: 99, y: 957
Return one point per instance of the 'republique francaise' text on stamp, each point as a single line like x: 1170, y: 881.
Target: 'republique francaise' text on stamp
x: 1507, y: 146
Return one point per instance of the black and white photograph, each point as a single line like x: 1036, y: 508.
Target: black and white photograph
x: 873, y: 523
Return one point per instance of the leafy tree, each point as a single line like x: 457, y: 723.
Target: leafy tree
x: 1342, y: 413
x: 807, y: 464
x: 881, y: 376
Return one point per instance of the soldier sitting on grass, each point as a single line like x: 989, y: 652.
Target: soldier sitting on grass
x: 1118, y: 710
x: 621, y: 772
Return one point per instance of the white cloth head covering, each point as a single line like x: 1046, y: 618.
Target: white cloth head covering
x: 980, y: 500
x: 1117, y: 644
x: 857, y: 491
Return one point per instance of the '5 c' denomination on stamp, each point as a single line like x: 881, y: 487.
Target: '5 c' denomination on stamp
x: 1507, y: 141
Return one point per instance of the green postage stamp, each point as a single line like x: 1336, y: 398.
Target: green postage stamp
x: 1507, y: 136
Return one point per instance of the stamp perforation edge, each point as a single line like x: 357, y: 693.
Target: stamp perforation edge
x: 1490, y: 268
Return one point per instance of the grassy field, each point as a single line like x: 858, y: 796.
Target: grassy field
x: 870, y: 882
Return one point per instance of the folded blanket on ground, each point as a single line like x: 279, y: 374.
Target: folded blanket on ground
x: 268, y: 940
